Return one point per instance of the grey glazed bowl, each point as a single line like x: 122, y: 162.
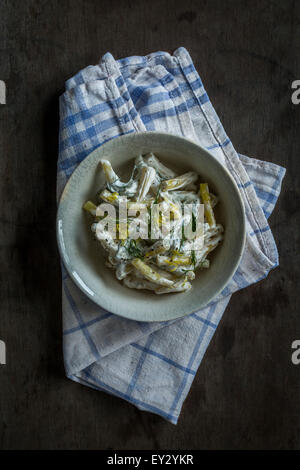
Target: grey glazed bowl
x: 83, y: 256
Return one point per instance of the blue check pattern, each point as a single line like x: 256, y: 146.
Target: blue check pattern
x: 152, y: 365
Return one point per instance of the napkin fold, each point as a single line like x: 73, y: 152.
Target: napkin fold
x: 152, y: 365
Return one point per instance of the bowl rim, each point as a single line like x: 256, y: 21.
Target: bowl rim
x: 97, y: 301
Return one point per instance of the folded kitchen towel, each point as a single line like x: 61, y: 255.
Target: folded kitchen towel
x: 152, y: 365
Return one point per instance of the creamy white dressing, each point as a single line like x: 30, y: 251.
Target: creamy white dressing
x: 166, y: 265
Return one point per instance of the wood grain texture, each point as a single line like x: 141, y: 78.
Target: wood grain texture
x: 246, y: 392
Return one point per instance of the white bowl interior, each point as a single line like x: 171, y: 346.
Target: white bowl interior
x: 84, y: 257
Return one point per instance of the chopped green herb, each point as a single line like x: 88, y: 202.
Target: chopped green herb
x: 193, y: 257
x: 134, y: 250
x: 182, y: 238
x: 193, y: 222
x: 157, y: 195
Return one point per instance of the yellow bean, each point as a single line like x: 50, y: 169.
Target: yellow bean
x: 208, y: 210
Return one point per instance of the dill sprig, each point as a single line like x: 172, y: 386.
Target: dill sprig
x: 193, y: 258
x: 134, y: 250
x: 157, y: 194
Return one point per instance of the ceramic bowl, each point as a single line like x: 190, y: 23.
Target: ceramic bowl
x: 83, y: 256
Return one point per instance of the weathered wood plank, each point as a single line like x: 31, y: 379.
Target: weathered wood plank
x: 246, y: 393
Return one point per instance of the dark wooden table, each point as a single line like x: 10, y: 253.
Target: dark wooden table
x: 246, y: 392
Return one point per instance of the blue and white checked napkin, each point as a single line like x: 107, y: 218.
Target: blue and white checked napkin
x: 152, y: 365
